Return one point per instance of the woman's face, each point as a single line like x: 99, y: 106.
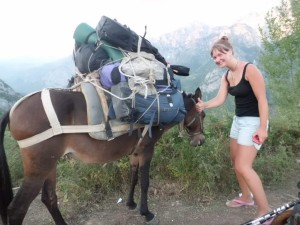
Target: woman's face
x: 220, y: 58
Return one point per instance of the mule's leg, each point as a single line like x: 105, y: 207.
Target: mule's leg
x: 144, y: 157
x: 134, y: 169
x: 144, y: 181
x: 49, y: 198
x: 21, y: 202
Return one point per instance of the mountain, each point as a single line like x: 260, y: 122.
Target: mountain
x: 7, y: 97
x: 29, y: 75
x: 188, y: 46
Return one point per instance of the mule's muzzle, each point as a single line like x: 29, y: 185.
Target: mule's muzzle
x: 197, y: 140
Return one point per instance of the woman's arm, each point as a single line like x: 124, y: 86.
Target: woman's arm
x: 216, y: 101
x: 256, y: 80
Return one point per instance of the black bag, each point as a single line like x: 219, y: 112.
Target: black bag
x: 88, y: 58
x: 146, y: 46
x: 180, y: 70
x: 122, y: 36
x: 115, y: 33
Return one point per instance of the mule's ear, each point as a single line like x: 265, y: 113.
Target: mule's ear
x: 184, y: 94
x: 198, y: 93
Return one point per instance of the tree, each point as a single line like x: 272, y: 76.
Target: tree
x: 280, y: 59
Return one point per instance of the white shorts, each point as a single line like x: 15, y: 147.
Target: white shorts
x: 243, y: 128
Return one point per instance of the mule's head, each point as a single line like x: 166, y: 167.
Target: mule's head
x: 193, y: 121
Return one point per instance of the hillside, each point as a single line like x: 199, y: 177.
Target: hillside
x: 190, y: 46
x: 7, y: 97
x: 29, y: 75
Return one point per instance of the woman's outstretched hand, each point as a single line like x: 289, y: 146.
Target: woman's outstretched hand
x: 200, y: 105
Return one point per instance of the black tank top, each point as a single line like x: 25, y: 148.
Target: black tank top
x: 245, y: 101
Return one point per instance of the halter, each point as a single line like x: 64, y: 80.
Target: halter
x: 195, y: 118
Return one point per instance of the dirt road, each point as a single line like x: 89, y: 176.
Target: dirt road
x: 170, y: 211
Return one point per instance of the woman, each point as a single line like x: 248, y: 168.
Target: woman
x: 250, y: 123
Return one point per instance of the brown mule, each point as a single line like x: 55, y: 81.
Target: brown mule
x: 40, y: 160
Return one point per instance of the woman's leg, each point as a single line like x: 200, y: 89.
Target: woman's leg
x: 243, y: 160
x: 246, y: 194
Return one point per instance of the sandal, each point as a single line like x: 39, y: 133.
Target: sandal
x: 234, y: 203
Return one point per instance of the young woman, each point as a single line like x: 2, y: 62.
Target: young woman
x: 250, y: 123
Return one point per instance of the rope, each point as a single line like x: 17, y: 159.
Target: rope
x: 142, y: 59
x: 94, y: 81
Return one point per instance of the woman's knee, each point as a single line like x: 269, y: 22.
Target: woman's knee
x: 241, y: 168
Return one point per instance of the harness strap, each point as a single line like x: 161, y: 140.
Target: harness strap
x: 181, y: 128
x: 50, y: 112
x: 151, y: 124
x: 56, y: 127
x: 105, y: 109
x: 64, y: 129
x: 136, y: 149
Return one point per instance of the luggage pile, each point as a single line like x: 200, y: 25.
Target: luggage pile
x: 139, y: 83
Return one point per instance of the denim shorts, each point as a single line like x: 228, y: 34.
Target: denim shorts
x: 243, y: 128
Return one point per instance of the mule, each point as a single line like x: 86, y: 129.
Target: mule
x: 40, y: 160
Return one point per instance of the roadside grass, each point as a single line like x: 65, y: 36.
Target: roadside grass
x: 205, y: 170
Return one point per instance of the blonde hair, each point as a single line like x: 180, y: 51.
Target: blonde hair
x: 223, y: 45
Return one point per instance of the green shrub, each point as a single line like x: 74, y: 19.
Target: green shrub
x: 14, y: 159
x: 205, y: 170
x: 80, y: 181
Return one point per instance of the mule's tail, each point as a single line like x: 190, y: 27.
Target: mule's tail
x: 6, y: 193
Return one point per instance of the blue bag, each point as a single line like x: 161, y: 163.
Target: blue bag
x: 161, y: 109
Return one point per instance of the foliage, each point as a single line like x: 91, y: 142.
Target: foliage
x: 205, y: 170
x: 201, y: 169
x: 280, y: 59
x: 87, y: 180
x: 14, y: 162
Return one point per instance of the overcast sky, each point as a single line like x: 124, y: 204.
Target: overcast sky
x: 44, y: 28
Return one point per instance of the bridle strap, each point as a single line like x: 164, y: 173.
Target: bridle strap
x: 192, y: 134
x: 193, y: 120
x: 197, y: 116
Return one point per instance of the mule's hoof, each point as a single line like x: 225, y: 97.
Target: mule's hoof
x: 132, y: 207
x: 154, y: 221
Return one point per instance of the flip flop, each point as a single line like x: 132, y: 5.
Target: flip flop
x: 234, y: 203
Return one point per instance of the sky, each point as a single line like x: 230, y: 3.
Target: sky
x: 44, y: 28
